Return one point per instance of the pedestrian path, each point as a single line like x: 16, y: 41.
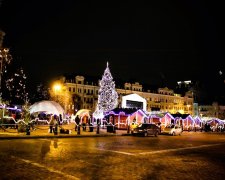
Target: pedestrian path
x: 44, y: 133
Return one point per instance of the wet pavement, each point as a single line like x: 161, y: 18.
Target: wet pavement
x: 42, y: 131
x: 193, y: 155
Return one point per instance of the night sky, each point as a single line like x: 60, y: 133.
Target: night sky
x: 149, y: 42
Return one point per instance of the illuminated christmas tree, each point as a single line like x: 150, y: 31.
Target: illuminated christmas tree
x: 107, y: 95
x: 16, y: 86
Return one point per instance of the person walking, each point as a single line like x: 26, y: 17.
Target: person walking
x: 60, y: 119
x: 51, y: 123
x: 84, y: 122
x: 77, y: 122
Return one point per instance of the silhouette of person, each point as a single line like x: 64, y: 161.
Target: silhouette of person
x: 77, y: 122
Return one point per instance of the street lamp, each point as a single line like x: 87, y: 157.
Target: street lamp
x: 57, y: 88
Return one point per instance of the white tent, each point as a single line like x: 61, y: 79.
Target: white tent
x: 49, y: 107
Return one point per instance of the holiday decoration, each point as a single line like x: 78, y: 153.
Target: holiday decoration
x: 98, y: 114
x: 16, y: 86
x: 107, y: 95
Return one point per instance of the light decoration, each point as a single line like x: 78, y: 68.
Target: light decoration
x: 98, y: 114
x: 107, y: 95
x: 5, y: 59
x: 16, y: 85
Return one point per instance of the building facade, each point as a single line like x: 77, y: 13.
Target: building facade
x: 214, y: 110
x: 85, y: 96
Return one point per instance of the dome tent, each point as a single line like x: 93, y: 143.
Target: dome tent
x: 83, y: 112
x: 50, y: 107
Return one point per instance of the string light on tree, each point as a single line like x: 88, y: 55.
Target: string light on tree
x: 107, y: 95
x: 5, y: 59
x: 98, y: 114
x: 16, y: 86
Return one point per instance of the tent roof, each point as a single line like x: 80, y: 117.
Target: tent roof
x: 50, y: 107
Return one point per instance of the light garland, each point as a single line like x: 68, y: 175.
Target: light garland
x: 5, y: 59
x: 107, y: 96
x: 98, y: 114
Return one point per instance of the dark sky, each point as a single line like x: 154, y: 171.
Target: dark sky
x: 150, y: 42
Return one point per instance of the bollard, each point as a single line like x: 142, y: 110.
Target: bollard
x: 28, y: 129
x: 128, y: 129
x: 114, y: 129
x: 56, y: 129
x: 97, y: 132
x: 91, y: 128
x: 78, y: 129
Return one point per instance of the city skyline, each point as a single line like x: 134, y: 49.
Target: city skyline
x: 154, y: 43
